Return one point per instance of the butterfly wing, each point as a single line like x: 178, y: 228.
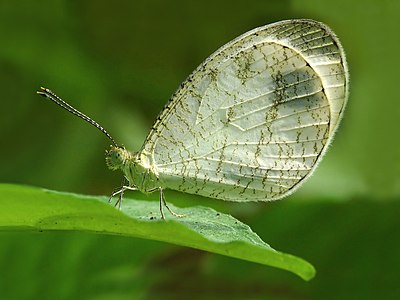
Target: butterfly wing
x: 254, y: 119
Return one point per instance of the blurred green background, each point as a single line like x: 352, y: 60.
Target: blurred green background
x: 119, y: 62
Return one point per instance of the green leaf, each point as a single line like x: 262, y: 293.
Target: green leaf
x: 29, y: 208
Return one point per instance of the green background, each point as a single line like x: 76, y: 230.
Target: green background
x: 119, y: 62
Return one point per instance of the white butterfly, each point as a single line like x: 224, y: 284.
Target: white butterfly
x: 251, y: 123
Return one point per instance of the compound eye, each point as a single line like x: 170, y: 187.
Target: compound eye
x: 116, y: 157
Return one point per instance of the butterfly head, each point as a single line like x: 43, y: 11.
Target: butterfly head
x: 117, y: 157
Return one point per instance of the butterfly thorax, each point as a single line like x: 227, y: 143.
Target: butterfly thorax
x: 135, y: 166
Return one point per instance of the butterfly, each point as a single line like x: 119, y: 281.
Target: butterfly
x: 251, y: 123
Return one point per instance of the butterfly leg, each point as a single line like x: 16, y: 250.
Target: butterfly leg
x: 164, y: 203
x: 120, y: 191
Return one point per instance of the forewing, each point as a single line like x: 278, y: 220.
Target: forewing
x: 255, y: 118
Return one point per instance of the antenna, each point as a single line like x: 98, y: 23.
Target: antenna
x: 57, y: 100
